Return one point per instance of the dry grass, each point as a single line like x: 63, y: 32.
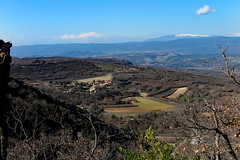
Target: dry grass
x: 178, y: 92
x: 143, y: 94
x: 101, y: 78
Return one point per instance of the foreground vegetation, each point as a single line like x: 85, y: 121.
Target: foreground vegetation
x: 158, y: 150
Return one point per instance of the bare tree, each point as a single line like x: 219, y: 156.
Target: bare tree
x: 230, y: 70
x: 217, y: 125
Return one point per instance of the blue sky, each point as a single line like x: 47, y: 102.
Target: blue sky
x: 26, y: 22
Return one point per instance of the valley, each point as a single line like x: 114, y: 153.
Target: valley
x: 108, y: 83
x: 121, y: 94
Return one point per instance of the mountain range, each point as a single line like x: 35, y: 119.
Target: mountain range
x: 169, y: 51
x: 181, y: 45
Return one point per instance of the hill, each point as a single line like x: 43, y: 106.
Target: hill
x: 41, y: 126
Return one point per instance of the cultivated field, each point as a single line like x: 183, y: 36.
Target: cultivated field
x: 151, y: 105
x: 142, y: 105
x: 100, y: 78
x: 125, y: 109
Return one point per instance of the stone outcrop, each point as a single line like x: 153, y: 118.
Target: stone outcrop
x: 5, y: 60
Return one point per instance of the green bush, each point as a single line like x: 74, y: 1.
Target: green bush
x: 148, y: 148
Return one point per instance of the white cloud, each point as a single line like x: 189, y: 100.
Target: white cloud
x: 191, y: 35
x: 237, y: 34
x: 66, y: 36
x: 205, y: 10
x: 81, y: 36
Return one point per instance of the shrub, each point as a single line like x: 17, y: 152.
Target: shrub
x: 148, y: 148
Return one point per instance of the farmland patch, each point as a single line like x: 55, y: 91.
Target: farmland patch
x: 151, y: 105
x: 100, y: 78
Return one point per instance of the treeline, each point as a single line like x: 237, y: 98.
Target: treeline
x: 42, y: 69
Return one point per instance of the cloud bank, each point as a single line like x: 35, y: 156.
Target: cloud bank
x: 191, y: 35
x: 81, y: 36
x: 205, y: 10
x: 237, y: 34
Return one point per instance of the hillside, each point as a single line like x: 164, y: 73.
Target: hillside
x: 52, y: 69
x: 66, y: 74
x: 106, y: 105
x: 41, y: 120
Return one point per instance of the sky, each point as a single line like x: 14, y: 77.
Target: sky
x: 27, y: 22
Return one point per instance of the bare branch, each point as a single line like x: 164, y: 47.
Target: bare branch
x: 213, y: 64
x: 95, y: 137
x: 229, y: 70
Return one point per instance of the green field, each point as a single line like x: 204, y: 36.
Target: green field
x: 125, y: 109
x: 143, y: 105
x: 151, y: 105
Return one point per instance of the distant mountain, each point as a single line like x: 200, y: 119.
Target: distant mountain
x: 176, y: 37
x: 203, y: 46
x: 164, y: 38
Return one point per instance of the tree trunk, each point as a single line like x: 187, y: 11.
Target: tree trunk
x: 5, y: 60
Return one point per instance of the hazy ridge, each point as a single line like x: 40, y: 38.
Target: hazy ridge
x: 193, y: 46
